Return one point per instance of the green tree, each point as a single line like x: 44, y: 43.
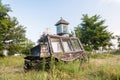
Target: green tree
x: 11, y: 33
x: 4, y: 9
x: 42, y: 38
x: 92, y: 32
x: 27, y: 47
x: 118, y: 40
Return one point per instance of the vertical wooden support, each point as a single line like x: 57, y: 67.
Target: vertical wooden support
x: 49, y: 45
x: 62, y: 45
x: 80, y: 44
x: 72, y: 44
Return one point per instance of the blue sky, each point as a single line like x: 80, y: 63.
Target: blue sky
x: 37, y: 15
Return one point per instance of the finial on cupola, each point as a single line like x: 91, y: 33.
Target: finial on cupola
x: 62, y: 27
x: 61, y: 17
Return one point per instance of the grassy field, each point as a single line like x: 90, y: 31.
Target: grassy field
x: 99, y: 67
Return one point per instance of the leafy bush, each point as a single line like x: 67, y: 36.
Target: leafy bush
x: 116, y: 52
x: 87, y: 48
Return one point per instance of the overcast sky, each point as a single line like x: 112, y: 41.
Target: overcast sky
x: 37, y: 15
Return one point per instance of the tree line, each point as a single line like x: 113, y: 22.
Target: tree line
x: 12, y: 34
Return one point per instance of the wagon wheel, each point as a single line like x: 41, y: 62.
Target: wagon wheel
x: 27, y: 65
x: 83, y: 58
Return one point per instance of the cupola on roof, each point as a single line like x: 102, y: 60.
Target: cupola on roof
x: 61, y: 21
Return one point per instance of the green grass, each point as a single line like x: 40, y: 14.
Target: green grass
x: 100, y: 55
x: 100, y: 67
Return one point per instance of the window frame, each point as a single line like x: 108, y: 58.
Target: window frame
x: 61, y: 38
x: 80, y: 48
x: 69, y: 45
x: 59, y: 43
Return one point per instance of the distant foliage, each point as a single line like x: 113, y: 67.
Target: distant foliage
x: 12, y: 35
x: 92, y: 32
x: 27, y: 48
x: 118, y: 40
x: 42, y: 38
x: 116, y: 52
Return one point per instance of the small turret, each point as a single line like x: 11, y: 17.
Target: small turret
x: 62, y: 27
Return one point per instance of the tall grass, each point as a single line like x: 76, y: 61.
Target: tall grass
x: 101, y: 55
x: 100, y: 67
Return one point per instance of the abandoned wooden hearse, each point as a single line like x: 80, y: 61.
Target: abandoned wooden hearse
x: 60, y: 46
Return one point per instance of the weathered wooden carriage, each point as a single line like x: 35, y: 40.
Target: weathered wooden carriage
x: 60, y: 47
